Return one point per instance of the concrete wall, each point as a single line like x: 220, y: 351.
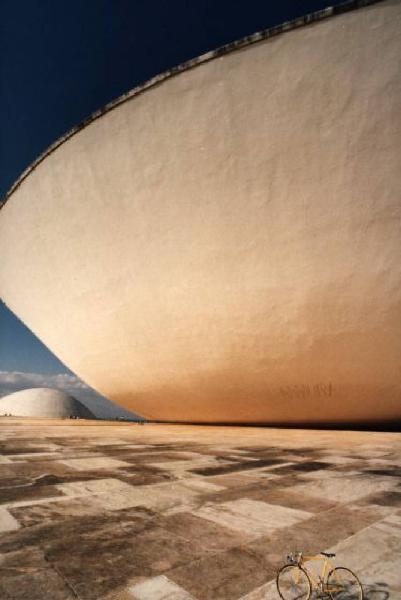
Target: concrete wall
x: 226, y: 245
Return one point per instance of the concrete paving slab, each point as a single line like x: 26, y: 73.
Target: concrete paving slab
x: 201, y: 486
x: 235, y: 480
x: 279, y: 466
x: 209, y: 535
x: 329, y: 474
x: 236, y: 458
x: 103, y: 462
x: 251, y: 516
x: 222, y: 576
x: 344, y: 489
x: 23, y: 457
x: 7, y: 521
x: 94, y: 486
x: 107, y: 442
x: 183, y: 466
x: 129, y: 446
x: 386, y: 463
x: 341, y: 460
x: 44, y: 584
x: 293, y: 458
x: 30, y: 491
x: 259, y: 475
x: 35, y: 502
x: 159, y: 588
x: 162, y: 497
x: 267, y: 591
x: 286, y: 497
x: 382, y: 511
x: 48, y: 513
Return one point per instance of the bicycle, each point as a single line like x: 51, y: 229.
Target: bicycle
x: 296, y: 582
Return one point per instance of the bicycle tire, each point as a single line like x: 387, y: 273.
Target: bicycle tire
x: 344, y: 592
x: 284, y: 595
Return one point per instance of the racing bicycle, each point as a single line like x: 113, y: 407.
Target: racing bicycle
x: 296, y: 582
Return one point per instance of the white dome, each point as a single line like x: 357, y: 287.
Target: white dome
x: 43, y: 402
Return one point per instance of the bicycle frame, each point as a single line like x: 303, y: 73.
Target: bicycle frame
x: 318, y: 580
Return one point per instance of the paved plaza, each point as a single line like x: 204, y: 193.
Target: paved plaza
x: 118, y: 511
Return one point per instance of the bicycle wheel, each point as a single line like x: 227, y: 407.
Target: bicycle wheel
x: 343, y: 584
x: 293, y: 583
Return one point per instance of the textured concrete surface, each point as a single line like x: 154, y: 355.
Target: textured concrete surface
x: 137, y: 525
x: 231, y: 234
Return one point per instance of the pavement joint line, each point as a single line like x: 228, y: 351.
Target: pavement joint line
x: 62, y: 576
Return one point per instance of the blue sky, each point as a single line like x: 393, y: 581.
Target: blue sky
x: 20, y: 350
x: 25, y: 362
x: 61, y: 61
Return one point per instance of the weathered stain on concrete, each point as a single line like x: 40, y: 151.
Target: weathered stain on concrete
x: 148, y: 532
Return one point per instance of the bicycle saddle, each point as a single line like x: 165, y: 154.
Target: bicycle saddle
x: 328, y: 554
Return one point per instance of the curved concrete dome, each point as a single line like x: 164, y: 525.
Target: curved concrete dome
x: 43, y: 402
x: 225, y: 245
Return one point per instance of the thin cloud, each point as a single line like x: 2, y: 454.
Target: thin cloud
x: 21, y: 380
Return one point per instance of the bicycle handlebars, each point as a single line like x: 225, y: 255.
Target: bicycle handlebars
x: 295, y: 558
